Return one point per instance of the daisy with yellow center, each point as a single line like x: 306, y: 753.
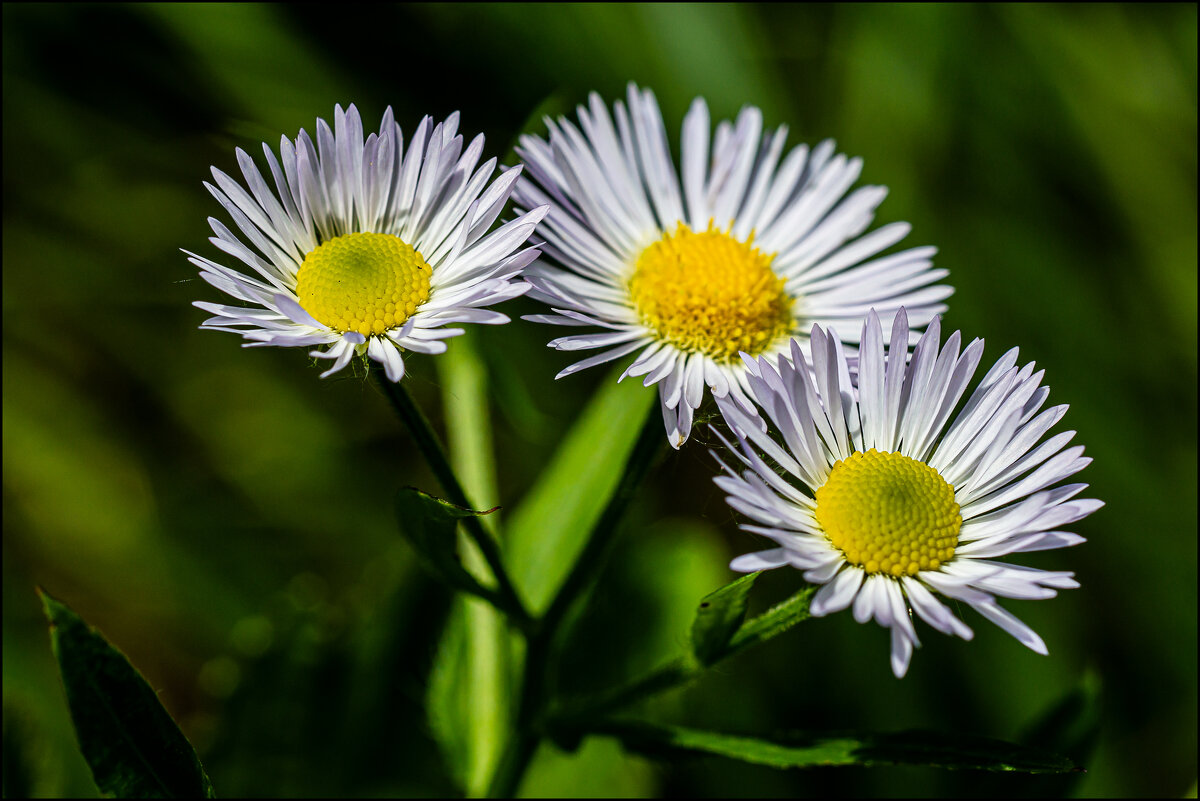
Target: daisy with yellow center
x: 747, y: 251
x: 890, y: 490
x: 365, y: 246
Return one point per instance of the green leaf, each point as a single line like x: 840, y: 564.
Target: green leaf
x: 599, y: 767
x: 430, y: 524
x: 773, y: 622
x: 129, y: 741
x: 445, y: 704
x: 1072, y: 724
x: 470, y: 687
x: 552, y: 105
x: 550, y: 527
x: 715, y: 635
x: 469, y: 693
x: 804, y: 751
x: 717, y: 620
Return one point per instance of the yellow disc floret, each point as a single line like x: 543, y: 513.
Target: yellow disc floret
x: 363, y: 282
x: 710, y: 293
x: 889, y: 514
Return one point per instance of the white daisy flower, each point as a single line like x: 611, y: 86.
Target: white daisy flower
x: 366, y: 247
x: 883, y: 500
x: 747, y: 253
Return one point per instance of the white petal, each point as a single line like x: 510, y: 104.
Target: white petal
x: 902, y: 648
x: 871, y: 601
x: 762, y: 560
x: 837, y: 594
x: 1009, y: 622
x: 384, y: 352
x: 295, y: 312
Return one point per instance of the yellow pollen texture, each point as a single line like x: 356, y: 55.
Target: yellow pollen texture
x: 363, y: 282
x: 709, y: 293
x: 889, y: 514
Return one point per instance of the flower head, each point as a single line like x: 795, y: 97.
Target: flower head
x: 886, y: 496
x: 366, y: 247
x: 742, y: 255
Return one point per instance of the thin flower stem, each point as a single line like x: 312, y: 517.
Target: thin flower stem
x: 536, y: 681
x: 574, y: 719
x: 595, y: 554
x: 429, y: 445
x: 665, y: 677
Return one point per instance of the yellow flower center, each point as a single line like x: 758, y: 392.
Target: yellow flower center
x: 889, y: 514
x: 363, y: 282
x: 709, y: 293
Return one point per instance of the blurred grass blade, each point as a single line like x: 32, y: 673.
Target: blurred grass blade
x: 20, y: 775
x: 447, y: 706
x: 550, y: 527
x: 129, y: 741
x: 470, y: 688
x: 717, y: 620
x: 1072, y: 724
x: 467, y: 703
x: 801, y: 751
x: 430, y: 525
x: 552, y: 105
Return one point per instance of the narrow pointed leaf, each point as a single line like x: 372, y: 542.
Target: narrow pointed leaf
x: 773, y: 622
x: 446, y: 705
x: 804, y: 751
x: 1070, y: 726
x: 717, y: 620
x: 470, y: 686
x: 548, y: 530
x: 467, y: 701
x: 132, y: 745
x: 430, y: 525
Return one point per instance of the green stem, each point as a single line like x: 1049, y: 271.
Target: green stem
x: 662, y: 678
x: 513, y: 764
x: 429, y: 445
x: 536, y: 685
x: 574, y: 719
x: 595, y: 554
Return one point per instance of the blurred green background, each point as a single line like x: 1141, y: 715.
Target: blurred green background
x: 223, y: 515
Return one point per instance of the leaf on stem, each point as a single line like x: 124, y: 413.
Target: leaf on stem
x: 773, y: 622
x: 131, y: 744
x: 466, y: 702
x: 469, y: 686
x: 548, y: 530
x: 430, y: 524
x: 718, y: 619
x: 916, y: 748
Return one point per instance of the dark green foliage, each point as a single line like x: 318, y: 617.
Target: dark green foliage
x: 805, y: 751
x: 19, y: 771
x: 130, y: 742
x: 718, y: 618
x: 773, y: 622
x: 430, y: 524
